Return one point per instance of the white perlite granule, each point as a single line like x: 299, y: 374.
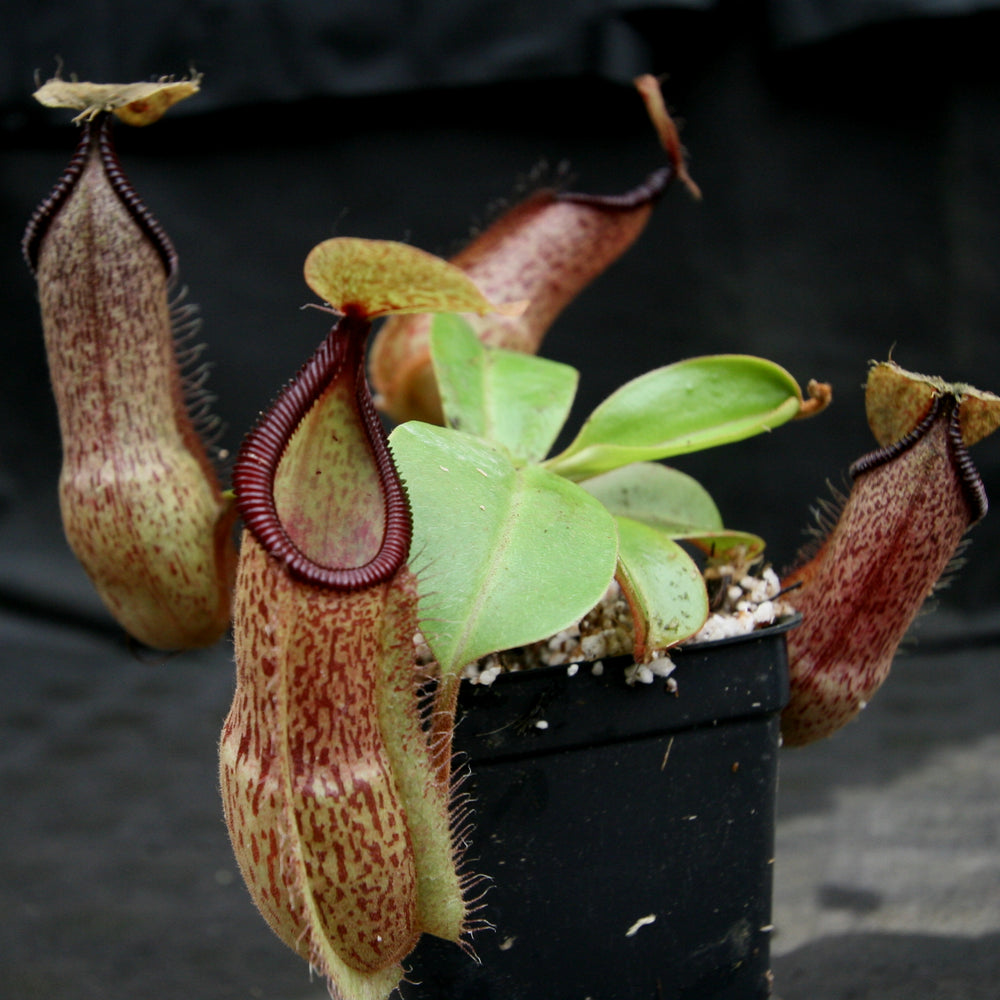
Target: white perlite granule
x: 646, y: 673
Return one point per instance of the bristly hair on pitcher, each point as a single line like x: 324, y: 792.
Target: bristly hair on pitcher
x: 348, y: 830
x: 885, y: 549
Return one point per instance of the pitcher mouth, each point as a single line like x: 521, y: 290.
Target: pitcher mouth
x: 96, y: 138
x: 944, y: 406
x: 341, y: 355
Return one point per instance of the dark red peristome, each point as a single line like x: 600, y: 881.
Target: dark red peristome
x: 97, y: 131
x: 340, y: 354
x: 646, y: 193
x: 968, y: 475
x: 46, y: 210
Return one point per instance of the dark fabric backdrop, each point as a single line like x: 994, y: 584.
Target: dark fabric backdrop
x: 850, y: 209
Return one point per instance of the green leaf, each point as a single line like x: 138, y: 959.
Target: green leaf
x: 663, y: 584
x: 657, y: 495
x: 684, y: 407
x: 505, y: 556
x: 517, y: 400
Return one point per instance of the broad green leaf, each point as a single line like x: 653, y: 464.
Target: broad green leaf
x: 664, y: 586
x: 517, y: 400
x: 684, y: 407
x: 657, y: 495
x: 504, y: 556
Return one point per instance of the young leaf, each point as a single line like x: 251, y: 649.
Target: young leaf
x: 717, y: 545
x: 674, y: 503
x: 517, y: 400
x: 684, y: 407
x: 664, y: 587
x: 507, y: 529
x: 657, y: 495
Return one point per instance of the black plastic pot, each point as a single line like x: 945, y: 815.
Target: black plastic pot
x: 630, y: 836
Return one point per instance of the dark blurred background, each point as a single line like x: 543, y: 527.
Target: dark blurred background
x: 848, y: 152
x: 848, y: 155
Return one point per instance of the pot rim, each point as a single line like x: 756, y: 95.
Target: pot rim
x: 553, y: 709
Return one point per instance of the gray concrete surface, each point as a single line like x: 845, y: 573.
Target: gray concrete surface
x: 887, y: 882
